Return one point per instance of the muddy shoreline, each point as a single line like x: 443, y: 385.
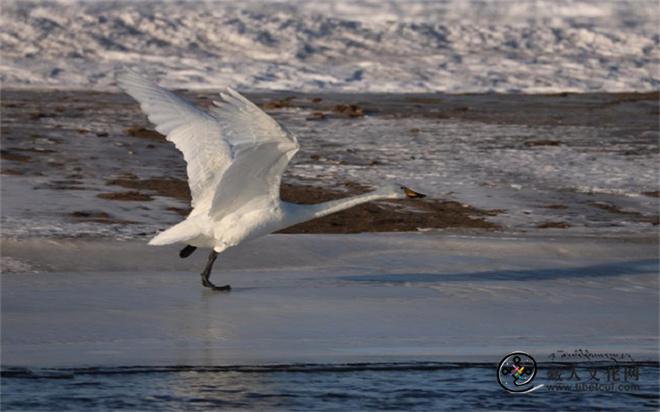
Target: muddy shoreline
x: 580, y: 109
x: 384, y: 216
x: 99, y: 146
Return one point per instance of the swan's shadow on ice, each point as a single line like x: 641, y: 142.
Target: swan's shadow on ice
x: 635, y: 267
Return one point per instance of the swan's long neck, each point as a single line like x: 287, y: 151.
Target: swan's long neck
x: 303, y: 213
x: 334, y: 206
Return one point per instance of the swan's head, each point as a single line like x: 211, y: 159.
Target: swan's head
x: 397, y: 191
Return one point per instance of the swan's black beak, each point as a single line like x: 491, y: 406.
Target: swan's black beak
x: 412, y: 194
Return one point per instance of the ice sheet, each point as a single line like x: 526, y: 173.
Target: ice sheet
x: 305, y: 298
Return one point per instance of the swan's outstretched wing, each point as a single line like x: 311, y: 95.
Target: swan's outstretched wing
x: 234, y: 154
x: 262, y: 147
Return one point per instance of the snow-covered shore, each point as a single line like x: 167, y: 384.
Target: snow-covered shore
x: 452, y: 46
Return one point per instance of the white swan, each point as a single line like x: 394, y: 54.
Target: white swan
x: 235, y: 156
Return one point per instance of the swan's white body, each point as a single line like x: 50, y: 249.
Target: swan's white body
x: 235, y: 156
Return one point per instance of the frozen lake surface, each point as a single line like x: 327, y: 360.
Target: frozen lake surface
x: 310, y: 299
x: 326, y: 322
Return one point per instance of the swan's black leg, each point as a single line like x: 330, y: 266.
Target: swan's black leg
x: 187, y: 251
x: 206, y: 274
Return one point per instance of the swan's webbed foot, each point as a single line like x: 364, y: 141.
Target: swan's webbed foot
x: 206, y: 274
x: 208, y: 284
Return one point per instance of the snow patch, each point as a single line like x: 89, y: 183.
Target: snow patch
x: 349, y: 45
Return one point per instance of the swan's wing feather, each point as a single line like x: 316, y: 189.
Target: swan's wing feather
x: 236, y: 154
x: 248, y: 123
x: 197, y: 134
x: 263, y: 149
x: 253, y: 178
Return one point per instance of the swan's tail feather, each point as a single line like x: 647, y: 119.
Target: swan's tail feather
x: 181, y: 232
